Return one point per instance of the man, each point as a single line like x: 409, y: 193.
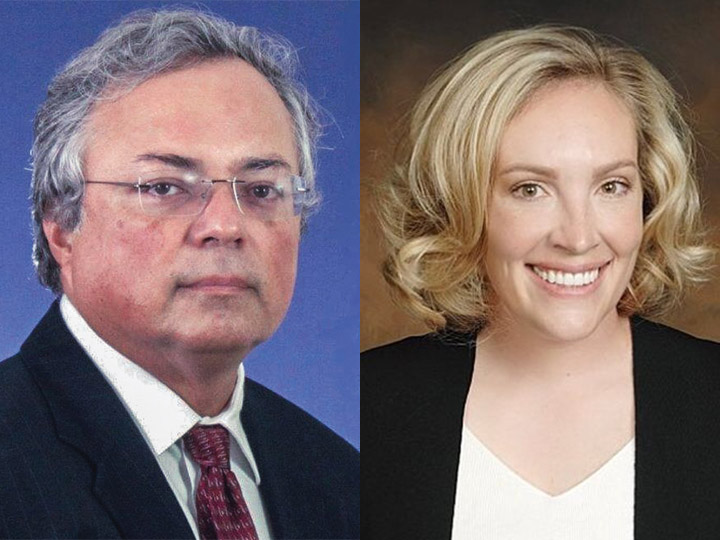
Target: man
x: 173, y: 169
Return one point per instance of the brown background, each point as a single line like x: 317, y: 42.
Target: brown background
x: 404, y: 42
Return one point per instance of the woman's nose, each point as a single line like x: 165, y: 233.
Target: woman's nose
x: 576, y: 230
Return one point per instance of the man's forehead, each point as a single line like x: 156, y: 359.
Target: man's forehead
x: 222, y: 109
x: 194, y: 81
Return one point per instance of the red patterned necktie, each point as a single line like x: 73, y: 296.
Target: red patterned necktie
x: 221, y: 509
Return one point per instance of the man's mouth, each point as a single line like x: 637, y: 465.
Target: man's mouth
x: 216, y: 283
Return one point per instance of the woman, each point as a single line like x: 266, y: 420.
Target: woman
x: 545, y: 203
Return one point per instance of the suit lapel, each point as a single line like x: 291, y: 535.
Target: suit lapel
x: 88, y: 415
x: 283, y: 501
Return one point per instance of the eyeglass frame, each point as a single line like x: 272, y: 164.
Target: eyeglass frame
x: 299, y: 186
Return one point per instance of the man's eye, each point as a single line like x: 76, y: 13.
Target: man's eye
x: 164, y: 188
x: 266, y: 192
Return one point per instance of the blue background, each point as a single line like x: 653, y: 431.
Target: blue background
x: 313, y: 358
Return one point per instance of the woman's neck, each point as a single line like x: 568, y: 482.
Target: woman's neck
x: 513, y: 348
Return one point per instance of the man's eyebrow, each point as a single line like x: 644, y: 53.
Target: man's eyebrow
x: 257, y: 163
x: 174, y: 160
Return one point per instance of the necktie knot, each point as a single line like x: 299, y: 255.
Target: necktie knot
x: 209, y: 446
x: 222, y: 512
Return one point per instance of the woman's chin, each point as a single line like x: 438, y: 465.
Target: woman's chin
x: 571, y: 326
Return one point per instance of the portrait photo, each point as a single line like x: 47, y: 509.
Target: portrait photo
x: 180, y: 306
x: 539, y: 282
x: 314, y: 361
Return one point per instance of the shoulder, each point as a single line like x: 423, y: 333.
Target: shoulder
x: 653, y: 335
x: 676, y: 373
x: 668, y: 348
x: 399, y: 373
x: 20, y: 397
x: 297, y: 424
x: 24, y: 377
x: 30, y: 449
x: 282, y: 430
x: 413, y: 395
x: 417, y: 358
x: 304, y: 466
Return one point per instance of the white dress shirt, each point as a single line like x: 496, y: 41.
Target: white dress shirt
x: 163, y: 418
x: 493, y: 502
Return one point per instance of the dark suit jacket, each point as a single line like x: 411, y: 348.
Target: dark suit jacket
x: 73, y: 464
x: 413, y: 398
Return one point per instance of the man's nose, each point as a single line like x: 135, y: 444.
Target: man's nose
x: 575, y: 230
x: 221, y: 221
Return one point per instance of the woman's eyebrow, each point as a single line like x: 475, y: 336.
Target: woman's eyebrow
x: 548, y: 172
x: 522, y: 167
x: 620, y: 164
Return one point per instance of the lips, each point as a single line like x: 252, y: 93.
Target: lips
x: 219, y: 283
x: 566, y: 278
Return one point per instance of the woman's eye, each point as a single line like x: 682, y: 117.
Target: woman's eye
x: 527, y: 191
x: 614, y: 187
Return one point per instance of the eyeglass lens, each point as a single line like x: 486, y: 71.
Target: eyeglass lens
x: 266, y: 197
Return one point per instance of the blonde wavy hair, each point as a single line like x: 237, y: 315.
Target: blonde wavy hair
x: 433, y: 210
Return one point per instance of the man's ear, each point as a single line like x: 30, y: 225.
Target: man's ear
x: 60, y: 242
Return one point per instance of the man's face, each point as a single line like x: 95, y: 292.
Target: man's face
x: 218, y: 282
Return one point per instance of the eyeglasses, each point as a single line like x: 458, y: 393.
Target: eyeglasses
x: 268, y: 194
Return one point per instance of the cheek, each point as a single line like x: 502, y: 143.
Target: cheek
x: 285, y: 263
x: 138, y: 244
x: 624, y: 231
x: 121, y: 251
x: 511, y: 236
x: 277, y: 252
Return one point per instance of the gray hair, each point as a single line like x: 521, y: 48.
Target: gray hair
x: 142, y: 45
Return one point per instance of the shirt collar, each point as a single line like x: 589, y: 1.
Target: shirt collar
x: 161, y: 415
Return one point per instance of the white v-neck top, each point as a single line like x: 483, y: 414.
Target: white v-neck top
x: 492, y: 502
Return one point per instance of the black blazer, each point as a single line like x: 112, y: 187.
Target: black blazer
x: 413, y: 399
x: 73, y: 464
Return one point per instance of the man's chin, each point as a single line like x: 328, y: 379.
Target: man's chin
x: 230, y: 343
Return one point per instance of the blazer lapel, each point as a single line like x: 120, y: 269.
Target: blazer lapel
x: 411, y: 434
x: 91, y: 418
x: 677, y: 399
x: 436, y: 426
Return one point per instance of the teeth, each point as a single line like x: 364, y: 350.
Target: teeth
x: 566, y: 278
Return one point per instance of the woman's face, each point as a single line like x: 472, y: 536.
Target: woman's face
x: 565, y: 218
